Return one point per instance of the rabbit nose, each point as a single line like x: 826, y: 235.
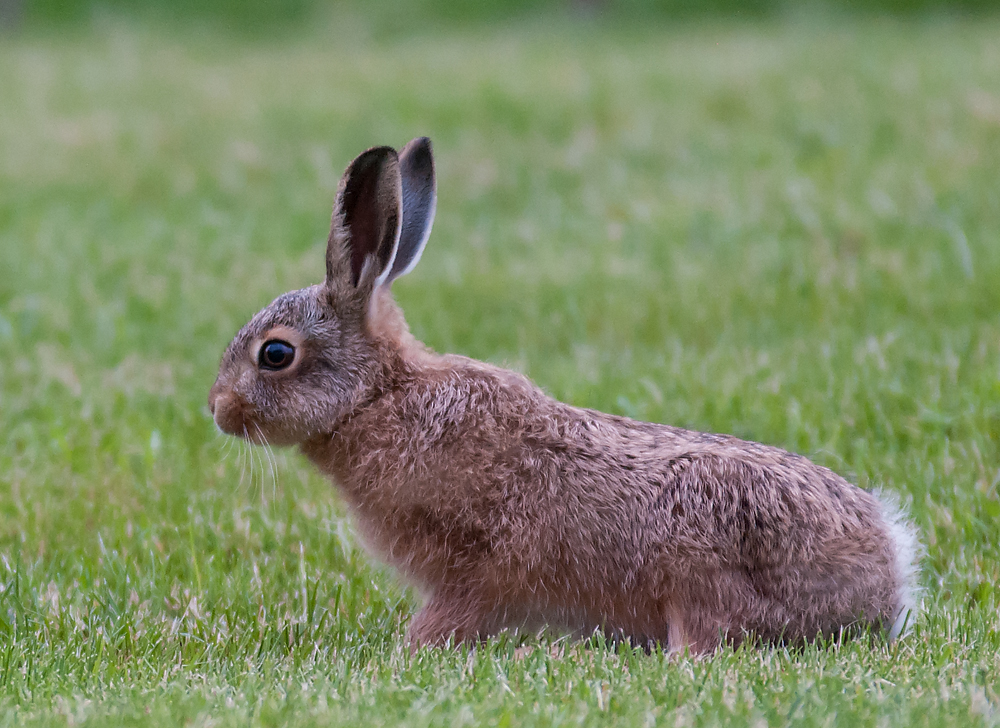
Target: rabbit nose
x: 213, y: 398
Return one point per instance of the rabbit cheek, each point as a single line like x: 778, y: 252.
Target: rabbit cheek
x: 271, y: 425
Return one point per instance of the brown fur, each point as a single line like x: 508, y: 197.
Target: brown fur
x: 508, y: 509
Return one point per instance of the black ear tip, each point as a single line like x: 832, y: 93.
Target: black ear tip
x: 418, y: 154
x: 374, y: 158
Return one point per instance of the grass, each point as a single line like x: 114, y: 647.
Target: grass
x: 789, y: 232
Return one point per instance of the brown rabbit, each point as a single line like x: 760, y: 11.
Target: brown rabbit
x: 508, y: 509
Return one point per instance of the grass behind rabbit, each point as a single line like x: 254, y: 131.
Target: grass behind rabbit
x: 787, y: 234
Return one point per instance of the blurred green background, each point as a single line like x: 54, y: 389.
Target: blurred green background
x: 387, y: 16
x: 772, y: 219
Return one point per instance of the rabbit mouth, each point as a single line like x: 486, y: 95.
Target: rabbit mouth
x: 234, y: 416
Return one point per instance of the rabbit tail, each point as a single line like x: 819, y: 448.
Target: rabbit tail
x: 907, y: 551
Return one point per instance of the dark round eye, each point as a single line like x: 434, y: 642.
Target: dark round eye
x: 276, y: 354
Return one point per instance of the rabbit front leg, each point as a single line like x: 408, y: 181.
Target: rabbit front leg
x: 450, y: 613
x: 698, y: 634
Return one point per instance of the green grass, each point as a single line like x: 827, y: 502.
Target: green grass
x: 786, y: 232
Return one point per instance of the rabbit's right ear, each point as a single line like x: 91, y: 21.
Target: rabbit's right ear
x: 367, y: 216
x: 416, y: 166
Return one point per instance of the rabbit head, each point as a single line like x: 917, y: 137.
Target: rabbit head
x: 311, y: 356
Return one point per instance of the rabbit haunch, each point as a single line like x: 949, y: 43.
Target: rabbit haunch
x: 510, y: 510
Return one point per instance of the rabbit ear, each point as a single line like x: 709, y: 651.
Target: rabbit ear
x: 416, y: 166
x: 366, y: 219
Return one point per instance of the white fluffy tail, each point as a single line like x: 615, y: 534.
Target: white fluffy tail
x: 908, y: 551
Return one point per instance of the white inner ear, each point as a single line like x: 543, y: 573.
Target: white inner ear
x: 424, y: 236
x: 371, y: 260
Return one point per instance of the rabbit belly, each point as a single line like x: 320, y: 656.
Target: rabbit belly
x: 720, y: 549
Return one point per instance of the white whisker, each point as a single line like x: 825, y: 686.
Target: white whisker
x: 274, y: 470
x: 254, y: 460
x: 243, y: 458
x: 271, y: 461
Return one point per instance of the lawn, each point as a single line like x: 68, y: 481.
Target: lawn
x: 788, y: 231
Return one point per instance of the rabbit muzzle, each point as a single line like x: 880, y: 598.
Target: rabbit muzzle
x: 230, y: 413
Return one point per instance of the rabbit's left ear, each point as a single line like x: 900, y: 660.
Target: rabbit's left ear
x: 366, y: 220
x: 416, y: 168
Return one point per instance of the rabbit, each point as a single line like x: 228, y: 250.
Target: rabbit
x: 509, y: 510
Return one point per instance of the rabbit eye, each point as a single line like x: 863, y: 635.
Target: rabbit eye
x: 275, y: 354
